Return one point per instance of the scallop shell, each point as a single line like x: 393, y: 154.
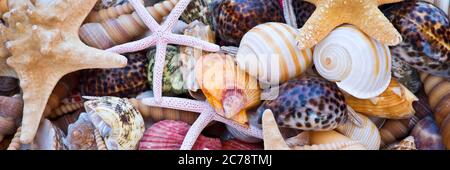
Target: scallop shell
x: 121, y: 82
x: 427, y: 136
x: 157, y: 114
x: 426, y: 33
x: 169, y: 135
x: 173, y: 83
x: 110, y: 12
x: 119, y: 123
x: 80, y: 135
x: 233, y: 18
x: 396, y: 102
x: 239, y: 145
x: 368, y: 135
x: 189, y: 55
x: 406, y: 75
x: 10, y: 114
x: 330, y: 137
x: 48, y: 137
x: 438, y: 91
x: 268, y: 52
x: 124, y: 28
x: 406, y: 144
x: 308, y: 103
x: 228, y: 89
x: 358, y: 64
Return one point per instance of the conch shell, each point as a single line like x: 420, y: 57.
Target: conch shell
x: 228, y: 89
x: 124, y: 28
x: 110, y: 13
x: 119, y: 123
x: 358, y: 64
x: 396, y: 102
x: 268, y: 52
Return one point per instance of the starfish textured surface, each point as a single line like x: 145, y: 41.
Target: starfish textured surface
x: 364, y: 14
x: 161, y: 36
x: 44, y: 46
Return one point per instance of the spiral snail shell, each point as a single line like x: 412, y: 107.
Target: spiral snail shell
x: 110, y: 13
x: 358, y: 64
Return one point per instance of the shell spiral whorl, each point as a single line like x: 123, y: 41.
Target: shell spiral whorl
x: 111, y: 12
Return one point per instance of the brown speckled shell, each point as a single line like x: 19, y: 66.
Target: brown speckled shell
x: 120, y: 82
x: 235, y: 17
x: 308, y: 103
x: 426, y: 33
x: 303, y: 10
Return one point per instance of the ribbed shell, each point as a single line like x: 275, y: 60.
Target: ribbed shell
x: 368, y: 134
x: 119, y: 123
x: 269, y: 53
x: 438, y: 91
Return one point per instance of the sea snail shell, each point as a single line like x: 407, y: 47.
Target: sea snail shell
x: 358, y: 64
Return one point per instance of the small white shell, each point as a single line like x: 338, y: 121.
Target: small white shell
x: 269, y: 53
x: 358, y: 64
x: 119, y: 123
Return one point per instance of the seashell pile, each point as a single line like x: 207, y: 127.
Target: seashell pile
x: 224, y: 75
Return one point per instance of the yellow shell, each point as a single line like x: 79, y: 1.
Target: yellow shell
x: 328, y: 137
x: 394, y: 103
x: 367, y: 134
x: 228, y: 89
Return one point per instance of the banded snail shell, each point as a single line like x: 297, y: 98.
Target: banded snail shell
x: 269, y: 53
x: 358, y: 64
x: 368, y: 134
x: 438, y: 91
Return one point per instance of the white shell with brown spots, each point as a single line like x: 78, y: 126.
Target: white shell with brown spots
x: 308, y: 103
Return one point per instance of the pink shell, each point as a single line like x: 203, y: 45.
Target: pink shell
x: 169, y: 135
x: 234, y: 144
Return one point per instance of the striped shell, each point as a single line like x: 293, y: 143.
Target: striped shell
x: 368, y: 134
x: 169, y: 135
x: 110, y: 12
x: 308, y: 103
x: 427, y: 136
x: 358, y: 64
x: 119, y: 123
x: 233, y: 18
x: 426, y: 33
x: 333, y: 137
x: 197, y: 10
x: 396, y: 102
x: 120, y: 82
x: 269, y: 52
x: 173, y: 83
x: 229, y: 90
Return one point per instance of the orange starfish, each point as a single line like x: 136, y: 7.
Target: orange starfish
x: 364, y: 14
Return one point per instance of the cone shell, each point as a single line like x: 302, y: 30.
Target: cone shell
x: 368, y: 135
x: 233, y: 18
x: 121, y: 82
x: 228, y: 89
x: 358, y: 64
x: 80, y: 135
x: 48, y: 137
x: 330, y: 137
x: 169, y: 135
x: 189, y: 55
x: 438, y: 91
x: 119, y: 123
x: 426, y: 33
x: 396, y: 102
x: 427, y: 136
x: 234, y: 144
x: 308, y: 103
x: 269, y: 53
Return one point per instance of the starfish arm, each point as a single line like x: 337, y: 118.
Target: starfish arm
x: 134, y: 46
x: 193, y: 42
x: 191, y: 137
x: 381, y: 2
x: 89, y: 57
x: 158, y: 69
x: 177, y: 103
x: 176, y: 12
x: 252, y: 131
x: 318, y: 26
x: 272, y: 135
x: 379, y: 28
x: 148, y: 20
